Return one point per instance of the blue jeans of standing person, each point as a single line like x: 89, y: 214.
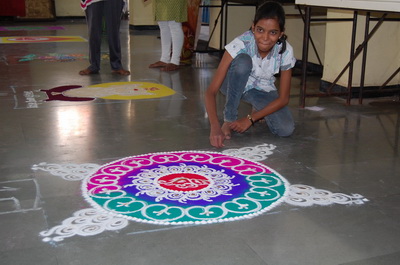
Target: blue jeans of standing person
x: 280, y: 122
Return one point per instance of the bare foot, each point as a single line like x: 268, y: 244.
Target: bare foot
x: 226, y: 130
x: 170, y: 67
x: 158, y: 64
x: 121, y: 72
x: 87, y: 71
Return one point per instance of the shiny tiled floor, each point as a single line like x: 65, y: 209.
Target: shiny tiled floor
x: 343, y: 149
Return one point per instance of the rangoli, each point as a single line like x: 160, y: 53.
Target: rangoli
x: 40, y: 39
x: 184, y: 188
x: 18, y: 28
x: 113, y: 91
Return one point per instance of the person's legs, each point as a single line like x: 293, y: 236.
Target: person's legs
x: 234, y: 85
x: 177, y: 41
x: 171, y: 34
x: 113, y: 16
x: 280, y: 122
x: 166, y: 41
x: 94, y: 16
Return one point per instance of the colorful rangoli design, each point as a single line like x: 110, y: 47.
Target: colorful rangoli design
x: 184, y: 188
x: 52, y: 57
x: 26, y: 28
x: 113, y: 91
x: 41, y: 39
x: 93, y: 221
x: 48, y: 57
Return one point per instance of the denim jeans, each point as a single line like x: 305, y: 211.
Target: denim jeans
x: 280, y: 122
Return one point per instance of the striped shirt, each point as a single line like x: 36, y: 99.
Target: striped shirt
x: 85, y: 3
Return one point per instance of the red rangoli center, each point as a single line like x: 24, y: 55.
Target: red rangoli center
x: 184, y: 182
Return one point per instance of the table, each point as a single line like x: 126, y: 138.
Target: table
x: 383, y: 6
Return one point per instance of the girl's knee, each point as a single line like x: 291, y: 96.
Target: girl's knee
x: 242, y: 64
x: 285, y: 131
x: 281, y: 128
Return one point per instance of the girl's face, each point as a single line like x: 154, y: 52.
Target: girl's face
x: 266, y: 33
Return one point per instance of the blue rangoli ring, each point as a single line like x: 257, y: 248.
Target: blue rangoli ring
x: 188, y: 187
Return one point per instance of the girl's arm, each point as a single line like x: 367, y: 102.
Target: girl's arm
x: 217, y: 137
x: 243, y: 124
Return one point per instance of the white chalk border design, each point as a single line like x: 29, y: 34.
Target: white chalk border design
x: 86, y: 222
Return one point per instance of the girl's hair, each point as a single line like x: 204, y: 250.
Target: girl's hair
x: 273, y: 10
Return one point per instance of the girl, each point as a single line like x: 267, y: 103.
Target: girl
x: 246, y: 72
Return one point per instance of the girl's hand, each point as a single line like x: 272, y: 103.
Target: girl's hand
x: 241, y: 125
x: 217, y: 138
x: 219, y: 134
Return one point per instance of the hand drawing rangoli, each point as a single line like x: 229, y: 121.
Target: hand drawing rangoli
x: 185, y: 188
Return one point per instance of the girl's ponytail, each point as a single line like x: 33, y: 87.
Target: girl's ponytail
x: 282, y: 40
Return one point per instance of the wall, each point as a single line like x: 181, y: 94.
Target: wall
x: 295, y: 31
x: 383, y: 50
x: 239, y: 20
x: 141, y: 14
x: 68, y: 8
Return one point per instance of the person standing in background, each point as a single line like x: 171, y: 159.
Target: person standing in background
x: 111, y: 11
x: 169, y: 15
